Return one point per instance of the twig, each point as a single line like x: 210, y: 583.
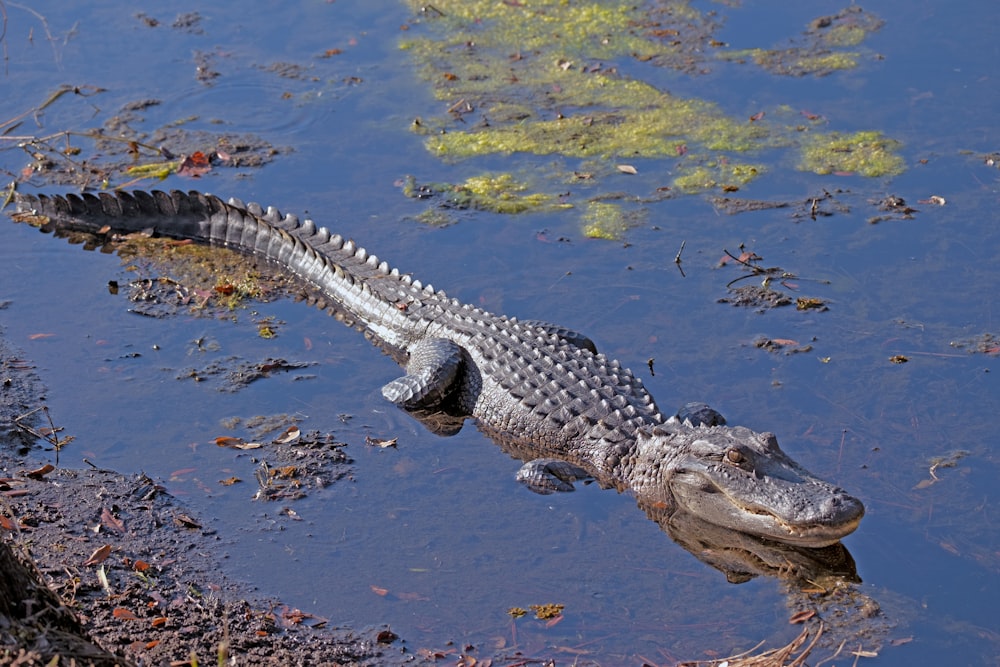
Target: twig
x: 48, y: 34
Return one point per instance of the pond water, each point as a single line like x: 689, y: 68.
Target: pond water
x: 434, y: 536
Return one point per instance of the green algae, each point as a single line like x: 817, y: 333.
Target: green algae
x: 532, y: 78
x: 498, y: 193
x: 795, y: 61
x: 820, y: 51
x: 730, y: 176
x: 603, y: 220
x: 864, y: 153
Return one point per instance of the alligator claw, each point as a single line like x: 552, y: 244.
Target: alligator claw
x: 547, y: 476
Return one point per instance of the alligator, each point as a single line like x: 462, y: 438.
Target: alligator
x: 541, y: 391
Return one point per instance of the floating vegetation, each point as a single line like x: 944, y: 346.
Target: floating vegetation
x: 864, y: 153
x: 602, y: 220
x: 540, y: 78
x: 822, y: 49
x: 498, y: 193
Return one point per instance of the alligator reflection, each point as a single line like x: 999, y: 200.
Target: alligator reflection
x: 742, y: 557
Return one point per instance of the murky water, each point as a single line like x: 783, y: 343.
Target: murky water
x: 435, y: 537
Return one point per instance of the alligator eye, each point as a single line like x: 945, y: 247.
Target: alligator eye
x: 735, y: 457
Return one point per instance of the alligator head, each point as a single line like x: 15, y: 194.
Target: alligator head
x: 740, y: 479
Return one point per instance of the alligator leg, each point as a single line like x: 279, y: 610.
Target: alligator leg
x: 700, y: 414
x: 431, y: 372
x: 547, y: 476
x: 571, y: 336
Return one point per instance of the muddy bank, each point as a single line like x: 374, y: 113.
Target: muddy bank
x: 98, y: 568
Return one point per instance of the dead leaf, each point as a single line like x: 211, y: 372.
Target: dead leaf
x: 195, y: 165
x: 380, y: 591
x: 99, y: 556
x: 228, y: 441
x: 230, y: 481
x: 802, y: 616
x: 124, y: 614
x: 159, y: 621
x: 379, y: 442
x: 248, y: 445
x: 185, y: 521
x: 112, y: 522
x: 289, y: 436
x: 38, y: 473
x: 627, y: 169
x: 40, y: 336
x: 140, y: 566
x: 898, y: 359
x: 807, y: 303
x: 785, y: 341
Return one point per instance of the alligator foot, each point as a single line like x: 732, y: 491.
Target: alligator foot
x: 700, y: 414
x: 547, y: 476
x: 430, y: 376
x: 571, y: 336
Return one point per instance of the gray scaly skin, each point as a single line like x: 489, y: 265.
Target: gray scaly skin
x: 541, y: 392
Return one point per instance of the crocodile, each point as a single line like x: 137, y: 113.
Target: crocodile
x: 541, y: 391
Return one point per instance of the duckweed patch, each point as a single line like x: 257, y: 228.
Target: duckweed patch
x: 498, y: 193
x: 540, y: 78
x: 864, y: 153
x: 820, y: 51
x: 603, y: 220
x: 721, y: 173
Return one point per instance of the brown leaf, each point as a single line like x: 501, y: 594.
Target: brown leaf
x: 785, y: 341
x: 159, y: 621
x: 380, y: 591
x: 140, y: 566
x: 185, y: 521
x: 124, y: 614
x: 99, y: 556
x: 230, y: 481
x: 289, y: 436
x: 195, y: 165
x: 802, y: 616
x: 38, y: 473
x: 112, y: 522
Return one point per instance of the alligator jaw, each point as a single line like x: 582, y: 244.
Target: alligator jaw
x: 825, y: 523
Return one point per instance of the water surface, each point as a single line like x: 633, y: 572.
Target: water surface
x: 435, y: 537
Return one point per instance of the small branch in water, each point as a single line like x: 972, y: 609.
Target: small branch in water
x: 677, y: 258
x: 51, y: 436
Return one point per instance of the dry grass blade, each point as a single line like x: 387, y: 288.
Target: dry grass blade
x: 777, y: 657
